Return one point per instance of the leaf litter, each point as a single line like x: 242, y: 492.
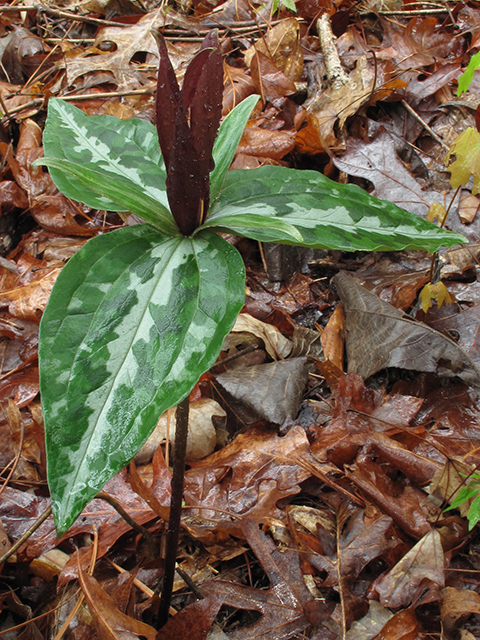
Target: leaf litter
x: 319, y: 513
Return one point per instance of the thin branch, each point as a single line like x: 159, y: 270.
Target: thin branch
x: 15, y: 547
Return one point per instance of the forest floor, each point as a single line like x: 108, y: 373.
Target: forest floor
x: 321, y: 513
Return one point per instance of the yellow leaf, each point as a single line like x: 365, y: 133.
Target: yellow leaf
x: 467, y: 163
x: 436, y: 211
x: 437, y: 293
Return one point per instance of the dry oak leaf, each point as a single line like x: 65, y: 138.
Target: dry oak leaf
x: 129, y: 41
x: 422, y: 566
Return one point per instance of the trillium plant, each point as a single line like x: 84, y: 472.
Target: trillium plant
x: 139, y: 314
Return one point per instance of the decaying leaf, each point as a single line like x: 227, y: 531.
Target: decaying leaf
x: 287, y: 607
x: 270, y: 391
x: 422, y: 567
x: 457, y: 605
x: 380, y: 336
x: 202, y: 437
x: 111, y: 623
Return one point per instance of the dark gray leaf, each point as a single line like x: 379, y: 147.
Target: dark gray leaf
x: 273, y: 391
x: 379, y: 336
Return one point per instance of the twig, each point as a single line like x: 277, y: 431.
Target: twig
x: 15, y: 547
x: 190, y: 583
x: 424, y: 124
x: 414, y: 12
x: 173, y: 533
x: 9, y: 266
x: 68, y: 15
x: 336, y: 75
x: 128, y: 518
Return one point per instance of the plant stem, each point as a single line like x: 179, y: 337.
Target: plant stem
x: 173, y: 532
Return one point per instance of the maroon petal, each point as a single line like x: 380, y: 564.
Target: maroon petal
x: 167, y: 101
x: 203, y: 92
x: 185, y: 183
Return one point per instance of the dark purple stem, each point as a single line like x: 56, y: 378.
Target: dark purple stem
x: 181, y: 434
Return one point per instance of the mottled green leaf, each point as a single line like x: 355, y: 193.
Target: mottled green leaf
x: 127, y: 148
x: 274, y: 229
x: 226, y: 143
x: 327, y: 214
x: 134, y: 319
x: 120, y: 191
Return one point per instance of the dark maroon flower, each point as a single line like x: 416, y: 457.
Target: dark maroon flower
x: 187, y: 124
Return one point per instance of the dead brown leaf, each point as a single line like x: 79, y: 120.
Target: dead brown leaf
x: 457, y: 605
x: 421, y: 568
x: 111, y: 624
x: 287, y: 607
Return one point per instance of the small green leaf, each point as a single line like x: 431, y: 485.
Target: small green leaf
x: 328, y: 215
x: 289, y: 4
x: 474, y: 513
x: 226, y: 143
x: 127, y: 148
x: 123, y: 195
x: 466, y: 78
x: 134, y: 319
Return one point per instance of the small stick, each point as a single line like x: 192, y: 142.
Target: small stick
x: 424, y: 124
x: 128, y: 518
x: 336, y: 75
x: 9, y: 266
x: 15, y: 547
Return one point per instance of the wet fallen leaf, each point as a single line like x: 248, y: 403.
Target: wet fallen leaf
x: 418, y: 43
x: 265, y: 143
x: 378, y: 162
x: 402, y: 626
x: 421, y: 568
x: 247, y: 478
x: 194, y: 621
x: 111, y: 623
x: 287, y: 607
x: 380, y: 336
x: 457, y: 605
x: 270, y: 391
